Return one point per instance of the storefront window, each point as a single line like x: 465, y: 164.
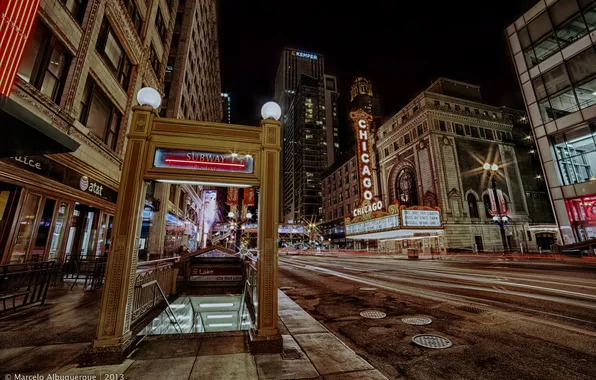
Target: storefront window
x: 582, y: 214
x: 43, y: 230
x: 104, y: 226
x: 59, y: 232
x: 88, y: 237
x: 9, y: 196
x: 25, y: 230
x: 576, y: 155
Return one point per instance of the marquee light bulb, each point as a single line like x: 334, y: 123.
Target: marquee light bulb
x: 248, y: 215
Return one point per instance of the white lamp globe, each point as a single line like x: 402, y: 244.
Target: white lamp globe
x: 486, y: 166
x: 248, y: 215
x: 230, y: 214
x: 148, y: 96
x: 495, y: 167
x: 271, y: 110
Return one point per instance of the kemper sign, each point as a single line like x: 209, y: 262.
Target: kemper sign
x: 361, y: 121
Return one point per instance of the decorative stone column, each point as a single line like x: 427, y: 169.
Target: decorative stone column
x: 113, y: 332
x: 265, y: 337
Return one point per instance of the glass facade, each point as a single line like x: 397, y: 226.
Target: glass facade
x: 582, y: 215
x: 565, y: 22
x: 568, y: 87
x: 575, y: 153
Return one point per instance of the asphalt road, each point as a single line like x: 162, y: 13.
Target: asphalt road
x: 507, y: 319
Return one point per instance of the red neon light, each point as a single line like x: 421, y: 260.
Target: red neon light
x: 16, y: 21
x: 204, y: 163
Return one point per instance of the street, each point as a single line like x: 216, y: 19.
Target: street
x: 507, y: 319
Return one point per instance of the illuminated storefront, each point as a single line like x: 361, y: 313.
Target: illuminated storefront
x: 582, y: 215
x: 49, y: 211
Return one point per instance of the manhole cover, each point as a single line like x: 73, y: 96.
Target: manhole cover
x: 368, y: 289
x: 286, y: 288
x: 472, y: 309
x: 417, y: 321
x: 431, y: 341
x: 373, y: 314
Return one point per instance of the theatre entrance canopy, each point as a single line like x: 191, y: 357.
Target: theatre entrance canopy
x: 201, y: 153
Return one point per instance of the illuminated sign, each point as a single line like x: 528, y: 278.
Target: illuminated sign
x: 16, y: 20
x: 361, y: 122
x: 424, y: 218
x: 368, y: 208
x: 203, y: 161
x: 386, y: 223
x: 302, y: 54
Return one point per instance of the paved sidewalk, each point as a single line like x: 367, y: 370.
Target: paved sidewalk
x: 310, y: 352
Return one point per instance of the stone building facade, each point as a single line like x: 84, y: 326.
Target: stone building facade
x: 432, y: 152
x: 83, y: 64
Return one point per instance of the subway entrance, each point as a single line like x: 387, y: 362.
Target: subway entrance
x: 197, y: 217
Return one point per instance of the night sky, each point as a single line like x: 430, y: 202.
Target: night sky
x: 402, y: 49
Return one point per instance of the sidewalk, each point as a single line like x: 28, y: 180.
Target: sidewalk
x: 310, y: 352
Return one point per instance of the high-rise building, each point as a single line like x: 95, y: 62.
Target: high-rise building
x: 432, y: 152
x: 305, y: 148
x: 83, y: 64
x: 555, y: 59
x: 226, y: 108
x: 310, y: 128
x: 192, y: 81
x: 292, y: 66
x: 331, y: 120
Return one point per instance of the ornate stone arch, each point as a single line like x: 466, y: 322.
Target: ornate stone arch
x: 473, y: 210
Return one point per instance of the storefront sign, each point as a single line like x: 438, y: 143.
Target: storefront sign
x: 203, y: 161
x: 361, y: 123
x: 375, y: 225
x: 16, y: 20
x: 421, y: 218
x: 55, y: 171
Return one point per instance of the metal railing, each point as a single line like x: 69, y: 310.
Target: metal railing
x: 25, y: 284
x: 146, y: 297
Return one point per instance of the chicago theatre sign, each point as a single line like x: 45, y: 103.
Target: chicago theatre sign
x: 370, y: 220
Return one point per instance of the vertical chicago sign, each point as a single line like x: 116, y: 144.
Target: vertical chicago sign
x: 16, y: 20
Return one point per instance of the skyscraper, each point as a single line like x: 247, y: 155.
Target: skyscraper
x: 331, y: 120
x: 192, y: 83
x: 226, y: 108
x: 555, y: 60
x: 292, y: 65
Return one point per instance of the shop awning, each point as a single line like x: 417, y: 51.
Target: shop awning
x: 23, y: 133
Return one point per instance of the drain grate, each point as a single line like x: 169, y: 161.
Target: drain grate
x: 290, y: 354
x: 432, y: 341
x: 368, y: 289
x: 286, y: 288
x: 472, y: 309
x: 417, y: 321
x: 373, y: 314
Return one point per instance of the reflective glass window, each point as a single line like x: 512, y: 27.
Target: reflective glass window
x: 582, y: 65
x: 556, y: 79
x: 539, y: 27
x: 586, y: 93
x: 572, y: 31
x: 562, y: 10
x: 576, y: 155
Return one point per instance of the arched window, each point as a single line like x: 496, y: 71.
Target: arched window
x: 473, y: 206
x: 405, y: 188
x: 486, y: 200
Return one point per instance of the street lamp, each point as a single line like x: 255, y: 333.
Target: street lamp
x: 499, y: 219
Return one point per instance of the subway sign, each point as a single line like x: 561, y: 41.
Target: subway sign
x: 203, y: 161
